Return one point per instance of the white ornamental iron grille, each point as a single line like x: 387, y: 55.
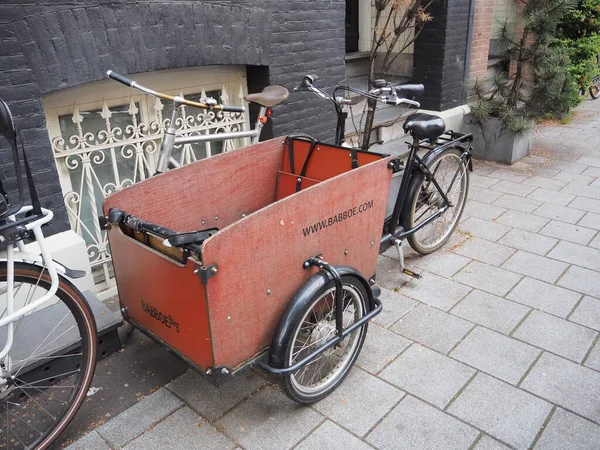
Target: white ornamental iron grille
x: 100, y: 151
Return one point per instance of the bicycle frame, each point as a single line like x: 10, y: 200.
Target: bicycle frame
x: 392, y: 233
x: 170, y: 138
x: 21, y: 255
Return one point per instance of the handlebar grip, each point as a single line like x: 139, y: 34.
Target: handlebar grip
x: 120, y: 78
x: 409, y: 90
x: 306, y: 82
x: 235, y: 109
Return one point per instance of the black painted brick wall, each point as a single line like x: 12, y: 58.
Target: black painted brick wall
x: 48, y: 45
x: 440, y: 53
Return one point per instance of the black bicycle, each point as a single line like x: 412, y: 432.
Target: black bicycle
x: 430, y: 185
x: 595, y: 87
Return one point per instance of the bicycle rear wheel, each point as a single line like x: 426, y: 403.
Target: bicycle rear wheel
x: 46, y: 375
x: 595, y: 89
x: 424, y: 200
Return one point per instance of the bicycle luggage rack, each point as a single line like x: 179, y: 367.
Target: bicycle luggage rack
x: 448, y: 139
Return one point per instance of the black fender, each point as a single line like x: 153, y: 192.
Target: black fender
x: 431, y: 154
x: 285, y: 327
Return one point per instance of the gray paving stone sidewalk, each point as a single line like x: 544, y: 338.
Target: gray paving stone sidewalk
x: 495, y: 347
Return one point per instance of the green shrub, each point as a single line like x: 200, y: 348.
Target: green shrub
x: 542, y: 83
x: 555, y: 91
x: 578, y: 33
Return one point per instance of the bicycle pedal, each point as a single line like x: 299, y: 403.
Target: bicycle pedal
x: 415, y: 275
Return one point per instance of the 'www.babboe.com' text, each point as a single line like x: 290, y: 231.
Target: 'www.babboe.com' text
x: 337, y: 218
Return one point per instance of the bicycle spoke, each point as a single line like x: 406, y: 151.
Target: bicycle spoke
x: 40, y: 358
x: 55, y: 376
x: 35, y: 351
x: 36, y: 354
x: 39, y: 389
x: 450, y: 175
x: 41, y: 407
x: 8, y: 431
x: 22, y: 421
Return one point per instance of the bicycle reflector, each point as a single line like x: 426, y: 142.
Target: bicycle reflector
x: 268, y: 113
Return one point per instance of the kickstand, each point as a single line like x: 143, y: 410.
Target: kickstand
x: 403, y: 269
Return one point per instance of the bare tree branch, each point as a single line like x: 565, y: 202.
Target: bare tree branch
x: 405, y: 16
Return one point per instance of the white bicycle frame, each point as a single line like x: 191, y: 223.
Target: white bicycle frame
x: 19, y: 254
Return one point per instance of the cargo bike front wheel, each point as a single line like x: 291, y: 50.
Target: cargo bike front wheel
x: 316, y: 326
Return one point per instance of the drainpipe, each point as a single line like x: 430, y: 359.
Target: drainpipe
x: 468, y: 48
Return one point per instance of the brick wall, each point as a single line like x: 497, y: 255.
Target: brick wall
x: 51, y: 45
x: 440, y: 55
x: 480, y: 45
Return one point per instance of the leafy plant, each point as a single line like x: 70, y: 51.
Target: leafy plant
x: 539, y: 81
x: 579, y: 34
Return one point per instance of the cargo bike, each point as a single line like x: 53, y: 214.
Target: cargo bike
x: 266, y: 256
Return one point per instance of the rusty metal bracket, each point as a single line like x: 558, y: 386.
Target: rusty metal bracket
x: 206, y: 272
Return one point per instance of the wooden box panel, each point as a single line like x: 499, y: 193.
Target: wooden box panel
x: 326, y: 161
x: 232, y: 318
x: 264, y: 253
x: 224, y: 186
x: 166, y: 298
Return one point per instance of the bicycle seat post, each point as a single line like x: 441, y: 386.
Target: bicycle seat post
x: 168, y: 142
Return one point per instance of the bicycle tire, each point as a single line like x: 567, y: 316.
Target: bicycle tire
x: 63, y: 361
x: 317, y: 325
x: 424, y: 199
x: 595, y: 90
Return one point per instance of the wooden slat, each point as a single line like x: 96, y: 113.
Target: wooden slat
x: 288, y: 183
x: 326, y: 161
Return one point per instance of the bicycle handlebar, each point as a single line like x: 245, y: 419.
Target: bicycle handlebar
x: 134, y: 84
x: 120, y: 78
x: 390, y: 94
x: 307, y: 82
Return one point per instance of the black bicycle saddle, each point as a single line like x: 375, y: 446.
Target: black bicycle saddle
x: 424, y: 126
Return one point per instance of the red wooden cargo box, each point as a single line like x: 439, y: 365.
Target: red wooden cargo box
x: 275, y: 204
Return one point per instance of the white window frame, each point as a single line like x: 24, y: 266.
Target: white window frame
x: 108, y: 93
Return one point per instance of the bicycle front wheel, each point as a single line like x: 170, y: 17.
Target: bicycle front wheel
x: 595, y: 90
x: 45, y: 376
x: 317, y: 326
x: 424, y: 200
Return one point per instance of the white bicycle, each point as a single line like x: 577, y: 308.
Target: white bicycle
x: 47, y: 330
